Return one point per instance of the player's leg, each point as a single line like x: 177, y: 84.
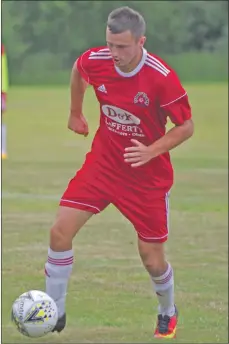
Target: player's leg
x: 161, y: 273
x: 149, y: 216
x: 4, y: 151
x: 151, y: 238
x: 81, y: 200
x: 59, y: 264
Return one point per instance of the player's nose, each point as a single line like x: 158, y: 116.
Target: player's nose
x: 114, y: 53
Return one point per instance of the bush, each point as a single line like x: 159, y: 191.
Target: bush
x: 43, y: 69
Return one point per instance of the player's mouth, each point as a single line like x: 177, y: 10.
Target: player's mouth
x: 116, y: 60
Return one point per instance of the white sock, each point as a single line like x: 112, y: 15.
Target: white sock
x: 58, y: 269
x: 164, y: 288
x: 3, y: 138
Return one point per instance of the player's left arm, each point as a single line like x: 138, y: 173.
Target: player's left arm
x: 183, y: 129
x: 174, y: 103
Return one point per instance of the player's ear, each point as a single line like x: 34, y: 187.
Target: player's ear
x: 142, y: 41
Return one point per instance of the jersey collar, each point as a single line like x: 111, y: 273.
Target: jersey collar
x: 137, y: 69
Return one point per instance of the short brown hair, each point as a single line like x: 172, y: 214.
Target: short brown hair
x: 125, y: 18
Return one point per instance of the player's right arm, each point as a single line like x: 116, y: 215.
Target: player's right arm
x: 78, y: 88
x: 79, y: 82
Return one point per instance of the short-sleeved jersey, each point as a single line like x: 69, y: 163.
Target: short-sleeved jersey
x: 134, y: 105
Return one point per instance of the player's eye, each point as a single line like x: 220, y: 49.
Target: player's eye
x: 111, y: 45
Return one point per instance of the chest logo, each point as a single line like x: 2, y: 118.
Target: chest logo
x: 120, y: 115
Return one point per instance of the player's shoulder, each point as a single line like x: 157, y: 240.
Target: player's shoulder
x: 96, y: 54
x: 157, y: 66
x: 94, y: 61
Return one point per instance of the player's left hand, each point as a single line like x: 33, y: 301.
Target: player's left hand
x: 138, y: 155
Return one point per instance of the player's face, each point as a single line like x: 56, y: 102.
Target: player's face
x: 124, y: 47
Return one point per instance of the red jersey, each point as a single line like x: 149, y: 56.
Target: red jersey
x: 133, y: 105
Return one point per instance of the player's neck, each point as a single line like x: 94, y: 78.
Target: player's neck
x: 133, y: 64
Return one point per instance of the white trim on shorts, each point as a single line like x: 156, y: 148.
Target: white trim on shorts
x: 87, y: 205
x: 167, y: 208
x: 153, y: 238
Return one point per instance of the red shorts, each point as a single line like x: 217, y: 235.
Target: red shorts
x: 93, y: 191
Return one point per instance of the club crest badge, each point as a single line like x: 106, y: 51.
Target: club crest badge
x: 141, y: 99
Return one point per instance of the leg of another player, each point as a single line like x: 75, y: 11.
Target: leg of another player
x: 4, y: 152
x: 161, y: 273
x: 58, y: 267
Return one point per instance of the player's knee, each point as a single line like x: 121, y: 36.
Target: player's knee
x: 68, y: 222
x: 153, y: 265
x: 155, y: 268
x: 153, y: 258
x: 60, y: 238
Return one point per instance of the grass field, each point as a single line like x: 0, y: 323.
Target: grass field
x: 110, y: 298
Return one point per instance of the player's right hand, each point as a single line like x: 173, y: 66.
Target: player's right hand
x: 78, y: 124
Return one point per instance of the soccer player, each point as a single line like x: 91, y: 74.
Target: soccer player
x: 4, y: 91
x: 129, y: 163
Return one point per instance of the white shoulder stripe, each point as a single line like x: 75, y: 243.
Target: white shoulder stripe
x: 158, y: 68
x: 173, y: 101
x: 103, y: 55
x: 99, y: 53
x: 100, y: 57
x: 165, y: 70
x: 157, y: 62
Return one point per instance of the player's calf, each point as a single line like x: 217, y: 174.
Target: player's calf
x: 161, y: 273
x: 59, y: 264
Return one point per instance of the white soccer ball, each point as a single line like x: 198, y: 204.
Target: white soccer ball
x: 34, y: 313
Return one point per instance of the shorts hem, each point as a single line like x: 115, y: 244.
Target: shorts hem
x: 153, y: 240
x: 79, y: 205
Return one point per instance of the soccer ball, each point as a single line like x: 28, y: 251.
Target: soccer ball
x: 34, y: 313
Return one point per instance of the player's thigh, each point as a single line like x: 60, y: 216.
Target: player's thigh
x: 71, y: 219
x: 67, y: 223
x: 148, y: 214
x: 85, y: 194
x: 82, y: 198
x: 86, y: 191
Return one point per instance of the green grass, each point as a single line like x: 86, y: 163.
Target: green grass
x: 110, y: 297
